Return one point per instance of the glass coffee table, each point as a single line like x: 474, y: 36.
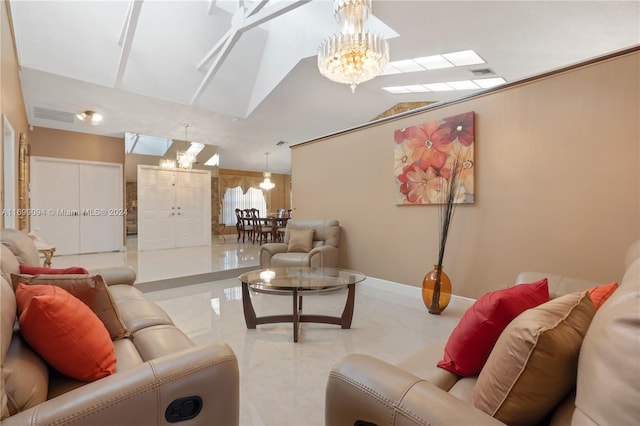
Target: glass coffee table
x: 298, y: 282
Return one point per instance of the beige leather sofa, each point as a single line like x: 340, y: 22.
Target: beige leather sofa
x: 161, y: 376
x: 416, y: 392
x: 324, y: 251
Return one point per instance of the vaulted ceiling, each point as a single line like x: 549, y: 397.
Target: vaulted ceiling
x: 243, y: 74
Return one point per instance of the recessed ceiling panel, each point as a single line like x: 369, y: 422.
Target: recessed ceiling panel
x: 171, y: 39
x: 77, y: 39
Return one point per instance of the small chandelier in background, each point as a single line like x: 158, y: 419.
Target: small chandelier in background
x: 185, y: 158
x: 167, y: 163
x: 354, y: 55
x: 90, y: 116
x: 266, y: 184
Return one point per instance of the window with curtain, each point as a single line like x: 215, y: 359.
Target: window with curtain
x: 234, y: 199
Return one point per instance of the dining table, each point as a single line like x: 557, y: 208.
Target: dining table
x: 274, y: 222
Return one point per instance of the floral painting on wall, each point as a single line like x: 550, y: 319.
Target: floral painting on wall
x: 425, y: 156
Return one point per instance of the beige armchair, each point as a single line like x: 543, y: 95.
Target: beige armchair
x: 323, y: 251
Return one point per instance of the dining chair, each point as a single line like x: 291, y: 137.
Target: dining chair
x: 281, y: 224
x: 262, y: 226
x: 244, y: 225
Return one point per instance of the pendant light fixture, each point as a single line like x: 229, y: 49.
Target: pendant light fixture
x: 266, y: 184
x: 185, y: 158
x: 355, y: 55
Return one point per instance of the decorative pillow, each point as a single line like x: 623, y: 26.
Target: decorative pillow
x: 535, y: 361
x: 301, y: 240
x: 473, y: 338
x: 64, y: 332
x: 35, y: 270
x: 600, y: 294
x: 89, y: 289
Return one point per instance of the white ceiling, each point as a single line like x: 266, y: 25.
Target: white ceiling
x: 145, y: 66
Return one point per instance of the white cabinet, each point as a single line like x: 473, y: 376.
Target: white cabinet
x: 77, y: 206
x: 174, y: 208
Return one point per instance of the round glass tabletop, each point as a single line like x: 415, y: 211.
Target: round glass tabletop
x: 301, y: 278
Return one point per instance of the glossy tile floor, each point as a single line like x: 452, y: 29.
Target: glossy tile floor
x: 167, y: 264
x: 281, y: 383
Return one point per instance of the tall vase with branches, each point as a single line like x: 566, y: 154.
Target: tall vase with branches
x: 436, y: 281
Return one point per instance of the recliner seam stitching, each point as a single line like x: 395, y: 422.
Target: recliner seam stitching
x: 394, y: 405
x: 101, y: 406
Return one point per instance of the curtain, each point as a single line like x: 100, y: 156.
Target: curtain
x: 244, y: 182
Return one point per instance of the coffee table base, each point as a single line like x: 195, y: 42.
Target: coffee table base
x: 297, y: 317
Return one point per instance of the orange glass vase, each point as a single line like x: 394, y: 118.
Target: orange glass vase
x: 436, y: 290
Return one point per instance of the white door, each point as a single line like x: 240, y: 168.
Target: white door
x: 156, y: 208
x: 193, y: 205
x: 75, y: 205
x: 101, y: 212
x: 55, y: 204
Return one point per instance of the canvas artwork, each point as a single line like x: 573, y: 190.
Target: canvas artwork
x: 428, y: 157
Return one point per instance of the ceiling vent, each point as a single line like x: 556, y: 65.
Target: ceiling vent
x: 482, y: 72
x: 50, y: 114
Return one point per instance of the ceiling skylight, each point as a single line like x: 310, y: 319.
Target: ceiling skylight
x: 213, y: 161
x: 426, y: 63
x: 146, y: 145
x: 195, y: 148
x: 438, y: 87
x: 466, y: 57
x: 487, y: 83
x: 417, y: 88
x: 463, y: 85
x: 433, y: 62
x: 483, y: 83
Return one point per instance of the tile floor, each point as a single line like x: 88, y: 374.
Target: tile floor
x: 157, y: 265
x: 281, y: 383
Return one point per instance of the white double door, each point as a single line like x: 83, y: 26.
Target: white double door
x: 174, y: 208
x: 77, y: 206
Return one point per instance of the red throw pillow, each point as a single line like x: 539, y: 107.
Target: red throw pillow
x: 600, y: 294
x: 477, y: 332
x: 65, y: 332
x: 35, y: 270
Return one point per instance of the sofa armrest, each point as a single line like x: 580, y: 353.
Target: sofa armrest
x: 142, y: 394
x: 323, y: 256
x: 364, y: 388
x: 268, y: 250
x: 558, y: 285
x: 116, y: 274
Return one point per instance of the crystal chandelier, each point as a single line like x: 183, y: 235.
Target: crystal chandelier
x: 354, y: 55
x: 266, y: 184
x: 185, y: 159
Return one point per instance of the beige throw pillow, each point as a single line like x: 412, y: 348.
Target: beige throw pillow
x: 301, y: 240
x: 534, y: 362
x: 89, y: 289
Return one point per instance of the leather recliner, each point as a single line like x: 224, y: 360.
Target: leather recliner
x: 365, y: 390
x: 161, y: 376
x: 324, y: 251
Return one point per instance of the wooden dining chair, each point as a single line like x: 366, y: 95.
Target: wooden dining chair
x: 244, y: 225
x: 281, y: 225
x: 262, y: 226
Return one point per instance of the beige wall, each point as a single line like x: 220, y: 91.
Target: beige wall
x: 76, y: 146
x: 557, y: 185
x: 11, y: 100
